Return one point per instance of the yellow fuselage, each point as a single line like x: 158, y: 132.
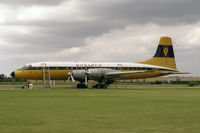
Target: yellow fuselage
x: 63, y: 74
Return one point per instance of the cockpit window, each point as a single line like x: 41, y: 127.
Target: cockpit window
x: 26, y: 67
x: 23, y: 68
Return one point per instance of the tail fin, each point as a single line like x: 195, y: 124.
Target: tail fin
x: 164, y: 55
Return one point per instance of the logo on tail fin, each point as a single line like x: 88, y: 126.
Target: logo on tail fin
x: 165, y: 51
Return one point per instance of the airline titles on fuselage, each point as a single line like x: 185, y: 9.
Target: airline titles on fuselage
x: 88, y: 65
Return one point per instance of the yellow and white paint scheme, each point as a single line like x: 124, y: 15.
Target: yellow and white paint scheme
x: 162, y: 63
x: 59, y: 70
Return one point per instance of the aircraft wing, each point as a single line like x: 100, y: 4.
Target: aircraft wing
x: 118, y: 74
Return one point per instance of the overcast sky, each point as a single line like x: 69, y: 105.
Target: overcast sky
x: 97, y: 30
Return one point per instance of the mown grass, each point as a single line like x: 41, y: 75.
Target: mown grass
x: 169, y: 110
x: 35, y: 86
x: 70, y: 85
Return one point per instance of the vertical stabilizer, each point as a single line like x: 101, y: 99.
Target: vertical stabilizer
x: 164, y: 55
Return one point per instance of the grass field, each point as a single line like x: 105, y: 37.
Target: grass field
x: 113, y: 86
x: 151, y: 110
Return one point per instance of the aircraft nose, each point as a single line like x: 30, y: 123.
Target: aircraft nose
x: 12, y: 74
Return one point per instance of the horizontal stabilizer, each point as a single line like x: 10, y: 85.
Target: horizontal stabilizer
x: 166, y: 73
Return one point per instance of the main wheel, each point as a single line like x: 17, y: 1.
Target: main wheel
x: 94, y: 86
x: 78, y: 86
x: 81, y: 86
x: 104, y: 86
x: 98, y: 86
x: 84, y: 86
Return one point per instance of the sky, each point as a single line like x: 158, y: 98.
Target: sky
x: 97, y: 30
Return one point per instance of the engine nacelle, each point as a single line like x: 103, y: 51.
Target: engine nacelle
x: 92, y: 74
x: 79, y: 75
x: 96, y: 74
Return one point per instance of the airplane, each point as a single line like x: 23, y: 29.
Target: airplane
x: 105, y: 73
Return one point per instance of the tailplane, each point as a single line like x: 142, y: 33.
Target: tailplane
x: 164, y: 55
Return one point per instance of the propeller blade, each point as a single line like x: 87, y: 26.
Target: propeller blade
x: 86, y: 81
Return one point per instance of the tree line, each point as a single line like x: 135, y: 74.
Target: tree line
x: 4, y: 78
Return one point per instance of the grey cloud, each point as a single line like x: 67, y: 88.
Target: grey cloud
x: 143, y: 11
x: 109, y: 15
x: 32, y: 2
x: 58, y: 35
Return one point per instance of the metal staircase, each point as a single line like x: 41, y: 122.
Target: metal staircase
x: 46, y: 76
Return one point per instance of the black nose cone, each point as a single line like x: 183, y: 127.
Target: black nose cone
x: 12, y: 74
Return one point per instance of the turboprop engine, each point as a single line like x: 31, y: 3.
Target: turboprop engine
x: 79, y: 74
x: 92, y: 74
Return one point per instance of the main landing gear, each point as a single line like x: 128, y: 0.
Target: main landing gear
x: 98, y: 86
x: 81, y: 85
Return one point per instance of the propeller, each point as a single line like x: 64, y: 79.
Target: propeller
x: 86, y: 76
x: 70, y: 76
x: 86, y: 81
x: 86, y: 73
